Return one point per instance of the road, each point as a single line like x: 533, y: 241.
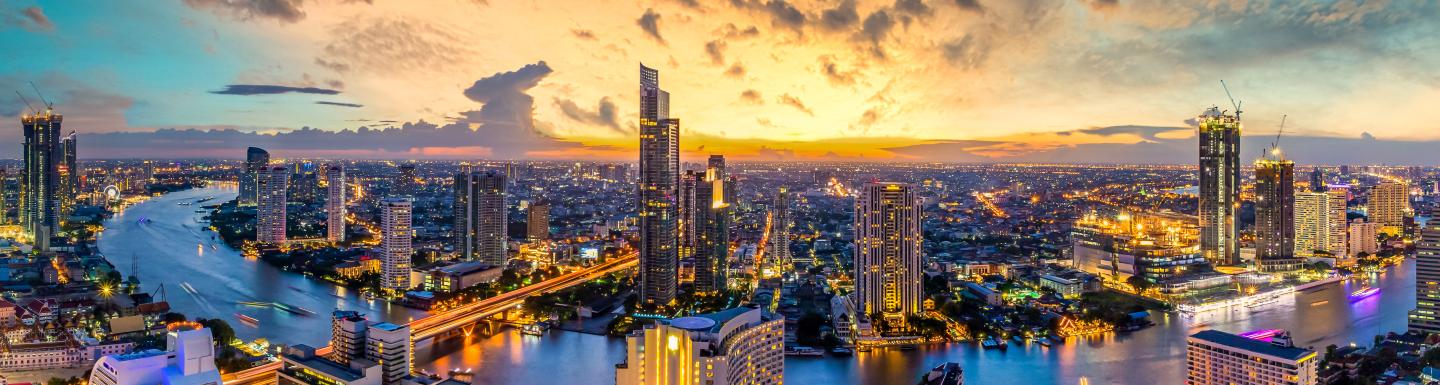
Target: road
x: 439, y: 323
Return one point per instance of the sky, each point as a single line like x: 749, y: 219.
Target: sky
x: 1064, y: 81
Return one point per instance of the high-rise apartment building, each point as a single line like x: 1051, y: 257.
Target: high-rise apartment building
x: 658, y: 189
x: 688, y: 203
x: 480, y: 217
x: 395, y: 236
x: 1426, y: 316
x: 347, y: 335
x: 1217, y: 358
x: 69, y: 176
x: 1362, y: 238
x: 388, y: 344
x: 738, y: 346
x: 40, y: 184
x: 888, y: 252
x: 1320, y: 223
x: 778, y: 251
x: 335, y: 204
x: 1317, y: 180
x: 1219, y: 186
x: 1275, y: 215
x: 255, y: 159
x: 537, y: 221
x: 712, y: 226
x: 1387, y: 206
x: 407, y: 183
x: 272, y: 183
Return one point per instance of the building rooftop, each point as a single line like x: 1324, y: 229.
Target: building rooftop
x: 327, y: 367
x: 386, y: 326
x: 1257, y: 346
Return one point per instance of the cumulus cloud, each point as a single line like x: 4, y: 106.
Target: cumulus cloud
x: 605, y: 114
x: 650, y: 23
x: 970, y: 5
x: 912, y: 7
x: 281, y: 10
x: 730, y: 31
x: 271, y: 89
x: 784, y: 14
x: 752, y: 96
x: 968, y: 52
x: 842, y: 17
x: 876, y: 28
x: 795, y: 102
x: 736, y: 71
x: 716, y: 50
x: 388, y: 44
x: 834, y: 74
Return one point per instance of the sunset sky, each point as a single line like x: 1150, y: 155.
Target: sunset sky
x: 1109, y: 81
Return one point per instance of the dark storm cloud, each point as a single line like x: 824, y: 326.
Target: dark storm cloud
x: 282, y: 10
x: 340, y: 104
x: 604, y: 115
x: 650, y: 22
x: 843, y: 16
x: 271, y: 89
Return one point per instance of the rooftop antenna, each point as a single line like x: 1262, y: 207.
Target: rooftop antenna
x: 48, y: 104
x: 1232, y: 99
x: 27, y: 102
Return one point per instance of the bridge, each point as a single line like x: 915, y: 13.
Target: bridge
x: 440, y: 323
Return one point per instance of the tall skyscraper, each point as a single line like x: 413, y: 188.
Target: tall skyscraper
x: 40, y: 185
x: 1219, y: 186
x: 659, y: 177
x: 737, y: 346
x: 1426, y: 316
x: 1317, y: 180
x: 480, y: 217
x: 69, y: 176
x: 1275, y: 215
x: 1320, y: 223
x: 887, y: 252
x: 717, y: 162
x: 1214, y: 357
x: 255, y: 159
x: 271, y: 185
x: 407, y: 183
x: 395, y: 237
x: 778, y: 251
x: 1387, y: 206
x: 335, y: 204
x: 537, y: 221
x: 1362, y: 238
x: 712, y: 225
x: 688, y: 204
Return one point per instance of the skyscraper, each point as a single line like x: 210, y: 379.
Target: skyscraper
x: 69, y: 176
x: 659, y: 176
x: 778, y: 251
x: 1362, y: 238
x: 1387, y: 206
x: 887, y: 252
x: 480, y: 216
x: 395, y: 237
x: 688, y: 204
x: 1275, y: 215
x: 1320, y: 223
x: 537, y: 221
x: 1317, y: 179
x: 255, y: 159
x: 407, y: 183
x: 347, y: 335
x: 389, y: 345
x: 1219, y: 186
x: 270, y: 189
x: 1214, y: 357
x: 737, y: 346
x: 712, y: 226
x: 335, y: 204
x: 40, y: 185
x: 1426, y: 316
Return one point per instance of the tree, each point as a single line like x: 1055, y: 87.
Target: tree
x: 173, y: 317
x: 220, y: 329
x: 1139, y: 283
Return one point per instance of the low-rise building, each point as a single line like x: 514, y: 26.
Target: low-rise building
x: 1153, y: 246
x: 189, y: 359
x: 458, y: 276
x: 1219, y: 358
x: 301, y: 366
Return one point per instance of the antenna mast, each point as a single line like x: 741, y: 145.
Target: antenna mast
x: 1232, y: 99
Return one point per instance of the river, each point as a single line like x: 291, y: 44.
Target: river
x: 167, y: 251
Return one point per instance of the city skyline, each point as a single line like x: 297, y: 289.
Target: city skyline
x: 856, y: 81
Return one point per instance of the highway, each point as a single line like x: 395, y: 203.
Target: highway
x: 436, y: 324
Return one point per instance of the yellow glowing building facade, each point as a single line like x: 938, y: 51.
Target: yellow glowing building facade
x: 738, y: 346
x: 1152, y: 246
x: 1388, y: 205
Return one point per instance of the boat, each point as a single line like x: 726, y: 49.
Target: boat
x: 532, y: 330
x: 1364, y: 293
x: 863, y: 348
x: 842, y: 351
x: 1328, y: 280
x: 804, y: 351
x: 1044, y: 342
x: 247, y: 319
x: 1018, y: 339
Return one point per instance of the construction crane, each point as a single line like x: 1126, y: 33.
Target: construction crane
x: 48, y: 104
x: 26, y: 101
x: 1275, y: 146
x: 1232, y: 99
